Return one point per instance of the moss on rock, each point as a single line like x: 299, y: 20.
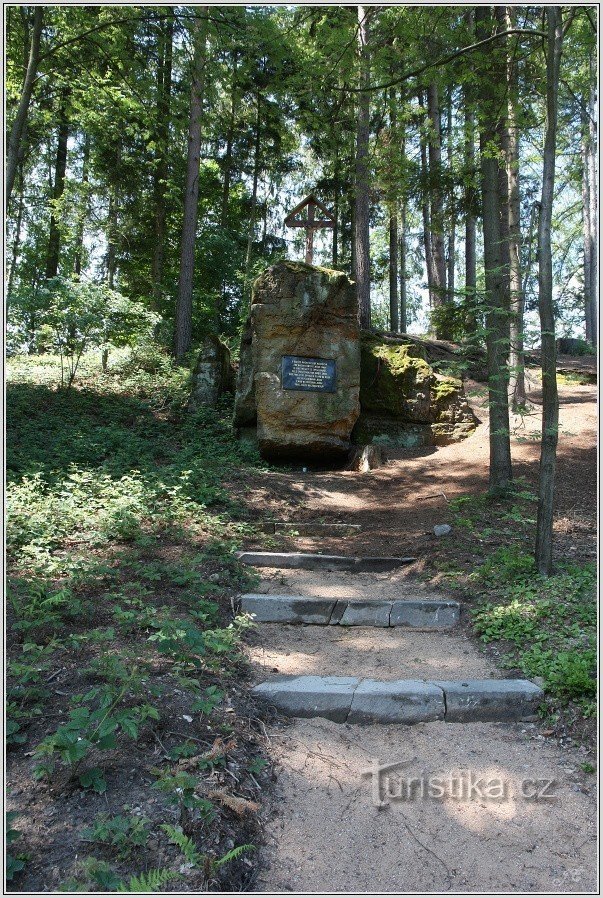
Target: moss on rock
x: 403, y: 401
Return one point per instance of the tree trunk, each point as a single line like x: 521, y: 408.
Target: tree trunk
x: 362, y: 274
x: 13, y: 151
x: 589, y: 194
x: 394, y: 272
x: 587, y: 240
x: 162, y: 130
x: 54, y: 236
x: 437, y: 197
x: 496, y: 281
x: 254, y: 192
x: 183, y: 325
x: 229, y: 142
x: 470, y: 200
x: 83, y: 210
x: 517, y: 386
x: 550, y: 401
x: 426, y: 214
x: 451, y: 208
x: 402, y: 260
x: 16, y: 244
x: 112, y: 220
x: 336, y: 176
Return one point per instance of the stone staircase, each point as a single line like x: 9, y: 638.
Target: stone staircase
x: 362, y: 700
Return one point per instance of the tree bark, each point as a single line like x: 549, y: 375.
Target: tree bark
x: 54, y: 236
x: 254, y: 191
x: 451, y: 208
x: 183, y: 326
x: 160, y: 175
x: 589, y: 212
x: 437, y: 197
x: 362, y: 273
x: 426, y: 215
x: 16, y: 244
x: 14, y: 147
x: 517, y: 385
x: 394, y: 272
x: 83, y: 210
x: 402, y: 258
x: 550, y: 400
x: 496, y: 281
x: 229, y: 142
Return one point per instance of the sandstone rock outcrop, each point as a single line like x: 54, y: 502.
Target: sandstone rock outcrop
x: 300, y: 312
x: 213, y: 375
x: 404, y: 402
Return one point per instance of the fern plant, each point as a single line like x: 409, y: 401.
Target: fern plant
x: 184, y: 843
x: 152, y: 881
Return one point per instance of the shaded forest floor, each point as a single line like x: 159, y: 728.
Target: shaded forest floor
x: 134, y: 749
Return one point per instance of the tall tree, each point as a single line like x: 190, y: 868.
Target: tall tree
x: 437, y: 198
x: 14, y: 147
x: 54, y: 236
x: 550, y: 399
x: 162, y: 135
x: 492, y: 82
x: 362, y: 269
x: 517, y: 386
x: 183, y: 325
x: 589, y: 208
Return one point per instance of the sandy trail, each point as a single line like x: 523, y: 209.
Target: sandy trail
x: 324, y: 832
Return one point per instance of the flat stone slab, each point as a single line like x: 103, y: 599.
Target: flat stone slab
x: 317, y: 562
x: 365, y: 701
x: 483, y: 700
x: 310, y: 529
x: 288, y: 609
x: 419, y: 613
x: 329, y: 697
x: 427, y: 613
x: 363, y: 614
x: 400, y: 701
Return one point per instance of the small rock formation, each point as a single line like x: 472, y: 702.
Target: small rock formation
x: 367, y: 458
x: 299, y: 373
x: 213, y: 374
x: 404, y: 403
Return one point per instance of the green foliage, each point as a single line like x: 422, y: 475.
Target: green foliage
x: 125, y: 834
x: 550, y: 622
x: 96, y: 721
x: 15, y: 863
x: 151, y: 881
x: 185, y: 844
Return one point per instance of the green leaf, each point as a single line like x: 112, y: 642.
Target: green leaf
x: 93, y: 779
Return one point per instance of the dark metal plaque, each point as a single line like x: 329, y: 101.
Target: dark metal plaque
x: 311, y: 375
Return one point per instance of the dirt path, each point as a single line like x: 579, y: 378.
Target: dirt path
x: 324, y: 829
x: 324, y: 832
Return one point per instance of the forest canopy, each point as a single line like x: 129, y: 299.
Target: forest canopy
x: 157, y: 151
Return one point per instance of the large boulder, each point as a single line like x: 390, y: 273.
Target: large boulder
x: 213, y: 374
x: 404, y: 402
x: 299, y: 373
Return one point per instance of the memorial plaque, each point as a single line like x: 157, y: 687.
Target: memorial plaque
x: 310, y: 375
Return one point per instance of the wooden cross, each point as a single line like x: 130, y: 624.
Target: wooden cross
x: 311, y: 224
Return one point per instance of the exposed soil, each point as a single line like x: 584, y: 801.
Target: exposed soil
x: 399, y: 503
x: 324, y: 832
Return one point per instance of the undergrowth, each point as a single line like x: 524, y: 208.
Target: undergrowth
x: 546, y: 626
x: 121, y: 541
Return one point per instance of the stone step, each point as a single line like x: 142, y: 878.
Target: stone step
x: 423, y: 613
x: 316, y: 562
x: 310, y: 529
x: 366, y: 701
